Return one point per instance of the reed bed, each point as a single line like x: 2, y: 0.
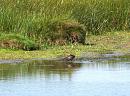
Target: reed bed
x: 32, y: 18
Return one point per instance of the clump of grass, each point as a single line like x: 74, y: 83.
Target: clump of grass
x: 62, y: 32
x: 15, y: 41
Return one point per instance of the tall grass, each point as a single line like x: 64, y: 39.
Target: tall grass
x: 32, y: 17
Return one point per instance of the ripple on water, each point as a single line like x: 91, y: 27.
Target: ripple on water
x: 86, y: 78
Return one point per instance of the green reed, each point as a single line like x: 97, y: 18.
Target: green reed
x: 32, y: 17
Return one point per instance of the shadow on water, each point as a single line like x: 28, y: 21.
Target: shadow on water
x: 38, y: 67
x: 52, y: 68
x: 58, y: 78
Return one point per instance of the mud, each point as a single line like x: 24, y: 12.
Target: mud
x: 11, y: 61
x: 87, y: 56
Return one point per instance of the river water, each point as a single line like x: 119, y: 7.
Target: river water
x: 57, y: 78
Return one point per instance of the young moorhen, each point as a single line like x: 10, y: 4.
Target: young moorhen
x: 69, y: 57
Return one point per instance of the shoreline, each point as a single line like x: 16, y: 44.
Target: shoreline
x: 106, y: 56
x: 111, y: 43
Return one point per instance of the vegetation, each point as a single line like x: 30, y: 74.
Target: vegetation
x: 37, y: 24
x: 67, y: 31
x: 112, y: 41
x: 32, y: 18
x: 14, y: 41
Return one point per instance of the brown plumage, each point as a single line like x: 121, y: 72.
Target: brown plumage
x: 69, y: 57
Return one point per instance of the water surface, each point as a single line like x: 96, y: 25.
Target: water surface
x: 56, y: 78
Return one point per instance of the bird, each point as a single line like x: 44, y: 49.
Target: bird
x: 69, y: 57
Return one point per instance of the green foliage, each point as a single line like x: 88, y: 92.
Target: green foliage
x: 66, y: 31
x: 32, y: 17
x: 103, y: 15
x: 112, y: 41
x: 15, y: 41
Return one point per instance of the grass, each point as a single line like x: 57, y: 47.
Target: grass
x: 112, y: 41
x: 16, y: 41
x: 32, y: 17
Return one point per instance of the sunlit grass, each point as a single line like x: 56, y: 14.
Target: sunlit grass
x: 116, y: 41
x: 31, y: 17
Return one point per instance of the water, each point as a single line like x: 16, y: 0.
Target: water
x: 55, y: 78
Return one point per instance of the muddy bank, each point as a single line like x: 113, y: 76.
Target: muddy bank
x: 11, y: 61
x: 107, y: 55
x: 86, y: 56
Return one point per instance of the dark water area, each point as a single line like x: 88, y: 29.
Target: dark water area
x: 57, y: 78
